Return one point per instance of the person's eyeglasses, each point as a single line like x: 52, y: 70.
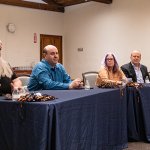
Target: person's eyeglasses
x: 109, y: 59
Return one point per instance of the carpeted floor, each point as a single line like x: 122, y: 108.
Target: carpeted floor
x: 138, y: 146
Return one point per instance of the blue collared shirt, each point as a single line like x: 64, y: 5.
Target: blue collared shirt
x: 45, y: 77
x: 138, y: 73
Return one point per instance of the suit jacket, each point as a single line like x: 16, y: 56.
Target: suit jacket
x: 130, y: 72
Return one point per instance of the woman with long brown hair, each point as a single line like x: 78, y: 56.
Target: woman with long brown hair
x: 110, y: 73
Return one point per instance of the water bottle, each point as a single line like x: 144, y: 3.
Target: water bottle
x: 147, y: 80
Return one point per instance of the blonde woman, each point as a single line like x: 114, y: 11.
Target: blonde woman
x: 8, y: 79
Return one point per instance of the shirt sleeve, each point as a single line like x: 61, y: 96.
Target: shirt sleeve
x: 125, y: 71
x: 48, y: 83
x: 66, y: 77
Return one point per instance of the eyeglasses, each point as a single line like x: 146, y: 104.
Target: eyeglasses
x: 109, y: 59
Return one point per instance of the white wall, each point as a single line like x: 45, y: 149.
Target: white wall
x: 98, y: 28
x: 19, y: 48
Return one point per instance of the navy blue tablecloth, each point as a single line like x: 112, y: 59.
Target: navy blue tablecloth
x: 24, y: 127
x: 138, y: 113
x: 145, y: 104
x: 135, y: 124
x: 77, y: 120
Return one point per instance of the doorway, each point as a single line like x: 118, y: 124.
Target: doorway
x: 51, y: 40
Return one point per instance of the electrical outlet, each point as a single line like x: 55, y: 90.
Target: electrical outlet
x: 80, y: 49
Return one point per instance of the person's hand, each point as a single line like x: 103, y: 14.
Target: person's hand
x: 16, y: 84
x: 119, y: 82
x: 122, y: 83
x: 77, y: 83
x: 14, y: 87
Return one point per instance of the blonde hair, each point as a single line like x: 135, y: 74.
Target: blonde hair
x: 5, y: 69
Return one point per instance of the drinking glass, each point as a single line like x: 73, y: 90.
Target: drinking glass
x: 15, y: 94
x: 24, y: 91
x: 87, y: 85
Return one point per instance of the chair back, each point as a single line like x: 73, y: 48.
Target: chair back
x: 24, y: 80
x: 90, y: 76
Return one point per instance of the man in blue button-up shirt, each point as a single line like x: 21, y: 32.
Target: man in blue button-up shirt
x: 48, y: 74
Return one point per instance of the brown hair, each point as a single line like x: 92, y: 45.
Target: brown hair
x: 116, y: 66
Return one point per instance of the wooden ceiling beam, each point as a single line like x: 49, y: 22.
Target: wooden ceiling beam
x: 74, y: 2
x: 70, y: 2
x: 52, y: 5
x: 34, y: 5
x: 104, y: 1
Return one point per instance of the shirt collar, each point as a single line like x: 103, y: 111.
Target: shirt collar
x: 52, y: 68
x: 135, y: 66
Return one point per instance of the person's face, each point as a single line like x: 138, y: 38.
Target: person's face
x: 110, y: 61
x: 52, y: 56
x: 135, y: 58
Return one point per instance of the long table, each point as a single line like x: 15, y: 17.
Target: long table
x: 145, y: 101
x: 138, y: 113
x: 77, y: 120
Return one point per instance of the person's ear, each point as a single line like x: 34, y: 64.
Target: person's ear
x: 44, y: 55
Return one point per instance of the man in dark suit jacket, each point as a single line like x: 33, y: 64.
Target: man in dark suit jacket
x: 134, y: 69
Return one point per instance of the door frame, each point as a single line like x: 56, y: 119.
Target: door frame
x: 42, y: 36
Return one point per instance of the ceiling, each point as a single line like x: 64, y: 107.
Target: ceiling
x: 51, y: 5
